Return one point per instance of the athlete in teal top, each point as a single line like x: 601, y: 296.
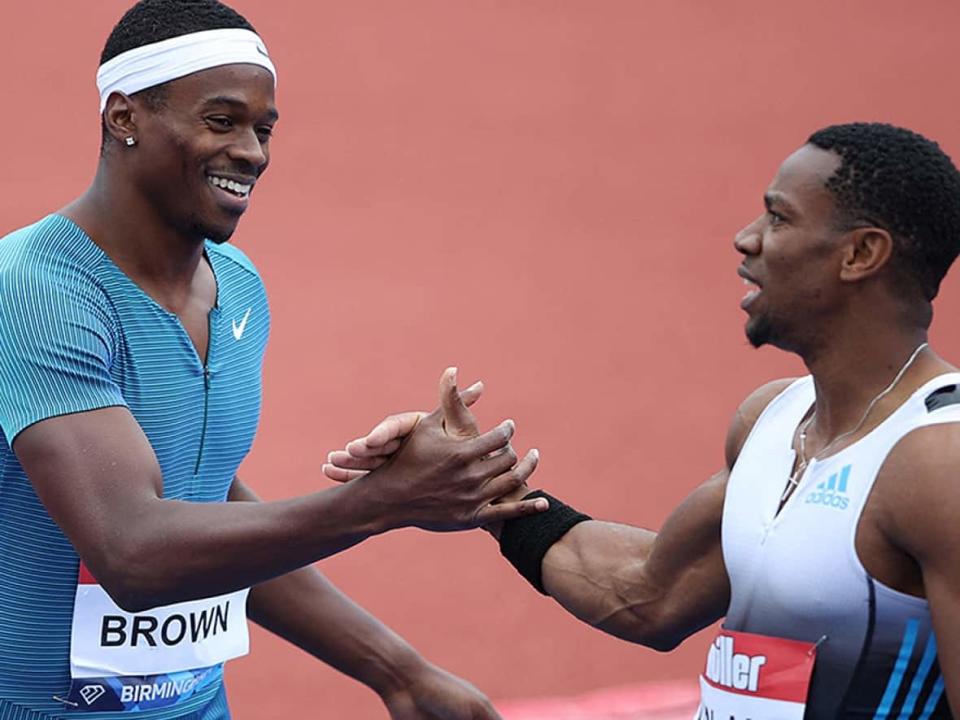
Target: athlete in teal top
x: 79, y: 335
x: 131, y: 339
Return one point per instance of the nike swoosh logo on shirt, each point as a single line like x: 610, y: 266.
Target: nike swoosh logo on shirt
x: 238, y: 329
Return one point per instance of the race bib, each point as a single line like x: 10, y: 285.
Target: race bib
x: 754, y: 677
x: 124, y: 661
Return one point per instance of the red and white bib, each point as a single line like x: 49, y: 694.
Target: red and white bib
x: 124, y: 661
x: 750, y: 676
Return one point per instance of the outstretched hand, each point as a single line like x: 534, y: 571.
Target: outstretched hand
x: 437, y: 471
x: 371, y: 451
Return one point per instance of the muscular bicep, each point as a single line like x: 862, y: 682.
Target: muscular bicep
x: 921, y: 503
x: 652, y: 588
x: 96, y: 474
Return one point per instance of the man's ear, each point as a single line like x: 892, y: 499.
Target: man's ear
x: 120, y: 118
x: 867, y: 251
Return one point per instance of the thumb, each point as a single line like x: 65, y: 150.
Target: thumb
x: 457, y: 418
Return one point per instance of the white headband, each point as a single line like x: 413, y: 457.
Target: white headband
x: 151, y: 65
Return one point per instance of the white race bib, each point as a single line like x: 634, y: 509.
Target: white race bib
x: 126, y: 662
x: 750, y: 676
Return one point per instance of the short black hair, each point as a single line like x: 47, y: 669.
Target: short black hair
x: 898, y: 180
x: 151, y: 21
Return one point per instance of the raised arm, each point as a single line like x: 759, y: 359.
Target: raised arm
x: 647, y: 587
x: 653, y: 588
x: 97, y: 476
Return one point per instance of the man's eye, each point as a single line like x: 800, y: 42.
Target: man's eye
x: 775, y: 217
x: 220, y: 122
x: 265, y: 131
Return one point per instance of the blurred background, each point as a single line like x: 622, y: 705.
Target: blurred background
x: 542, y: 192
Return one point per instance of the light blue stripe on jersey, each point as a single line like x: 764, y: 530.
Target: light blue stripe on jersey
x: 929, y: 657
x: 899, y: 668
x: 935, y: 694
x: 77, y: 334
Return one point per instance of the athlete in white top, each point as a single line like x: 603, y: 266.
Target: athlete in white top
x: 829, y: 542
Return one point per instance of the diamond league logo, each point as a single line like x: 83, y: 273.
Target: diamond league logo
x: 92, y: 693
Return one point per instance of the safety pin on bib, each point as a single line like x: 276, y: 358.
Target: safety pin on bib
x: 817, y: 644
x: 65, y: 701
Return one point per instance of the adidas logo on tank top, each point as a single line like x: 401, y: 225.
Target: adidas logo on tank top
x: 832, y: 492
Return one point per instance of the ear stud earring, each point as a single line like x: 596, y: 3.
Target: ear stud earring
x: 130, y: 141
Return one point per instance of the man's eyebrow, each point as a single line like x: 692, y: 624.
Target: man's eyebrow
x: 774, y: 198
x: 237, y: 104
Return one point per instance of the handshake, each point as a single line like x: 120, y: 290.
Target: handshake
x: 436, y: 470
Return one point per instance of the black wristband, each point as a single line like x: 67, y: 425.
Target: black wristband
x: 524, y: 541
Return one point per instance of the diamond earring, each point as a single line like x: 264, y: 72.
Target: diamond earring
x: 130, y: 141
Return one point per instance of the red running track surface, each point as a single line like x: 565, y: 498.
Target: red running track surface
x: 543, y: 192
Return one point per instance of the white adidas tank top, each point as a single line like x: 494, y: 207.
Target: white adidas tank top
x: 797, y: 575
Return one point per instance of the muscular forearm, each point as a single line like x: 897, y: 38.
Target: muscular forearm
x: 98, y: 478
x: 306, y: 609
x: 651, y: 588
x: 172, y: 551
x: 596, y: 572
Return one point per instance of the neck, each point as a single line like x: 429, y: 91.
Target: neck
x: 851, y: 370
x: 157, y: 256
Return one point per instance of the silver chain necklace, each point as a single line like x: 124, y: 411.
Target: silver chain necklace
x: 803, y: 461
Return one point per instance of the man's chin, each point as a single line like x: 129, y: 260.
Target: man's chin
x: 758, y: 332
x: 217, y: 233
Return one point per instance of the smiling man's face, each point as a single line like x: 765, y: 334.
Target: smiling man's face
x: 202, y: 151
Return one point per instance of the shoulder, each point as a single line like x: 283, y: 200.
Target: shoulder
x: 53, y: 249
x: 23, y: 252
x: 920, y: 500
x: 50, y: 267
x: 748, y: 413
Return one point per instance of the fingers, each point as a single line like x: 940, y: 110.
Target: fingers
x: 472, y: 393
x: 501, y: 512
x: 386, y: 437
x: 457, y: 418
x: 340, y: 475
x: 514, y: 477
x: 359, y: 449
x: 345, y: 461
x: 492, y: 440
x: 498, y: 463
x: 390, y: 430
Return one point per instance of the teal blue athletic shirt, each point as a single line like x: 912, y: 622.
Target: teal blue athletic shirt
x: 76, y: 334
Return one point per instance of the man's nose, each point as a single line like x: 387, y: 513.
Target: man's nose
x: 249, y: 149
x: 748, y: 240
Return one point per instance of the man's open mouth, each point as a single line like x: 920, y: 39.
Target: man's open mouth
x: 233, y: 187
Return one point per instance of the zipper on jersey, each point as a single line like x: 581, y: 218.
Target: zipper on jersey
x: 206, y: 408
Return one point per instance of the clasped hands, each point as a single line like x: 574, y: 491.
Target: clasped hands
x: 436, y: 470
